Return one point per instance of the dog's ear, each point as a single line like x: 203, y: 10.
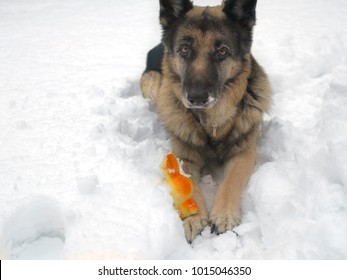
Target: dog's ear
x: 170, y: 10
x: 241, y: 10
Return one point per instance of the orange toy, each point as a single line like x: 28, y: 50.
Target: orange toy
x: 181, y: 187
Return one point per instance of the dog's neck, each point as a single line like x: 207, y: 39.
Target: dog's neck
x: 198, y: 115
x: 201, y: 117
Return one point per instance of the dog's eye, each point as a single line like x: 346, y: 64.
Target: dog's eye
x: 184, y: 49
x: 223, y: 52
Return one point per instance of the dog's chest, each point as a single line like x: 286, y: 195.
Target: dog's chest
x: 217, y: 150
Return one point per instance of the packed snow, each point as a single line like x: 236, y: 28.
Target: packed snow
x: 81, y: 149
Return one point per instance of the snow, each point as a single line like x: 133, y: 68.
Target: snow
x: 81, y: 149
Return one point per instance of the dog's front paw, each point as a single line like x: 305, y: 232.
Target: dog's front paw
x: 194, y: 225
x: 221, y: 221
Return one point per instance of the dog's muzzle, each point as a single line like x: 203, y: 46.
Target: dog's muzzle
x: 198, y: 101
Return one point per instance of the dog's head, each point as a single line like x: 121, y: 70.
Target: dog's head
x: 206, y: 46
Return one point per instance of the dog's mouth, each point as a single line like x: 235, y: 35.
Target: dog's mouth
x: 190, y: 103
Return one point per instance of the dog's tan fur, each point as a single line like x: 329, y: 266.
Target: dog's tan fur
x: 233, y: 123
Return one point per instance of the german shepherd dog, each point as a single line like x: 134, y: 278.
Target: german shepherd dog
x: 210, y: 94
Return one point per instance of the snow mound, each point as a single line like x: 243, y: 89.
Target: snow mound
x: 35, y: 230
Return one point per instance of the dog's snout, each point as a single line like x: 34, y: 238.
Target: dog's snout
x: 198, y: 98
x: 198, y: 92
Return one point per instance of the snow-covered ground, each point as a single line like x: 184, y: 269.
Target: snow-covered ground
x: 80, y: 148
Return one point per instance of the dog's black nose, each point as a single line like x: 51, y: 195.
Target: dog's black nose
x: 198, y: 98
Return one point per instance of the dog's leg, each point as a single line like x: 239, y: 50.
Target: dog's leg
x: 192, y: 164
x: 150, y: 84
x: 194, y: 225
x: 225, y: 213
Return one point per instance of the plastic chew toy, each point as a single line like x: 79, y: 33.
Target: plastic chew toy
x: 181, y: 187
